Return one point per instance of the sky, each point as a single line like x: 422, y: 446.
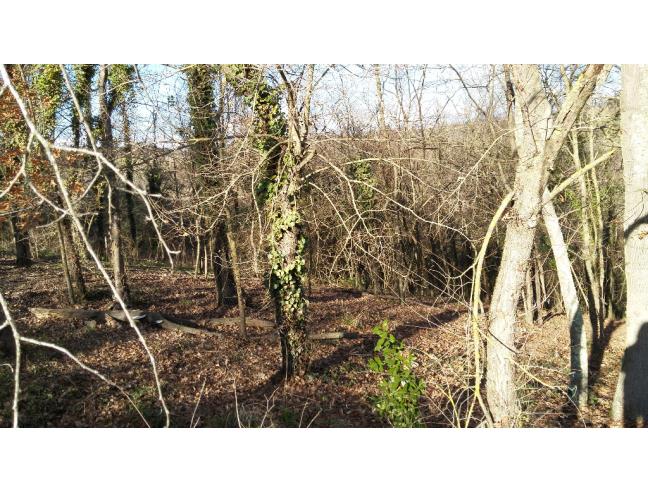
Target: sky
x: 344, y: 96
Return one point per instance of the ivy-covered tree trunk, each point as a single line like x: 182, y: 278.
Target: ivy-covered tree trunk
x: 204, y: 152
x: 282, y: 148
x: 95, y: 223
x: 48, y: 84
x: 287, y: 271
x: 106, y: 105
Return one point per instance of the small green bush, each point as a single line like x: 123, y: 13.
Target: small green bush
x: 400, y: 389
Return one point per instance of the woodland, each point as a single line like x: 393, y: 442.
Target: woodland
x: 242, y: 245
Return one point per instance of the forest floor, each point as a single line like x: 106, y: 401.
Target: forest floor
x: 227, y: 381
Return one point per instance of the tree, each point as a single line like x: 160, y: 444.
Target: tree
x: 48, y: 85
x: 14, y: 146
x: 282, y: 141
x: 206, y: 128
x: 631, y: 397
x: 96, y: 222
x: 112, y: 80
x: 578, y: 338
x: 539, y: 138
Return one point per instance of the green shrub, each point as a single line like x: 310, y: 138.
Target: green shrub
x: 400, y: 389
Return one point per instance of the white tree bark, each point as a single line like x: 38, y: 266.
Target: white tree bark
x: 532, y: 119
x: 631, y: 398
x: 577, y: 335
x: 538, y: 139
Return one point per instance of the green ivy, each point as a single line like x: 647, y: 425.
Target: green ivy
x: 362, y: 171
x: 48, y: 84
x: 120, y: 77
x: 269, y: 128
x: 400, y: 389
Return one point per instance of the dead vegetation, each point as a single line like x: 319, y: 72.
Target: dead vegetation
x: 206, y: 379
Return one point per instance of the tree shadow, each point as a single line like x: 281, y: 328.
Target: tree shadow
x: 410, y: 328
x: 334, y: 295
x: 598, y: 352
x: 634, y: 370
x: 342, y: 354
x: 276, y: 402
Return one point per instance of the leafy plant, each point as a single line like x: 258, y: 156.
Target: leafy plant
x: 400, y: 389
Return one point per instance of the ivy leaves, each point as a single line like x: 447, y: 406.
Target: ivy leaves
x: 400, y: 389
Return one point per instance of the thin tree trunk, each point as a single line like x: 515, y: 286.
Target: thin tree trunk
x: 231, y: 242
x: 225, y: 289
x: 128, y: 159
x: 64, y: 264
x: 198, y: 255
x: 74, y: 261
x: 593, y: 292
x: 543, y: 288
x: 537, y: 290
x: 528, y: 297
x: 577, y: 335
x: 209, y: 252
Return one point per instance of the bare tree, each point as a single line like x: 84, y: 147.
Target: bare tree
x: 539, y: 138
x: 578, y: 336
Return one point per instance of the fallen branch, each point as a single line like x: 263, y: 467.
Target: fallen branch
x: 320, y: 337
x: 177, y: 325
x: 138, y: 315
x: 253, y: 322
x: 262, y: 323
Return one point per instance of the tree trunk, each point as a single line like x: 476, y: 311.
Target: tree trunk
x: 287, y: 270
x: 116, y: 252
x: 64, y: 264
x: 231, y: 243
x: 283, y: 146
x: 537, y: 288
x: 128, y: 159
x: 74, y: 261
x: 577, y: 335
x: 588, y: 248
x: 532, y: 119
x: 538, y: 142
x: 631, y: 398
x: 527, y: 296
x: 21, y: 241
x: 223, y: 278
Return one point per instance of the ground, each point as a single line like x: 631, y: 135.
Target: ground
x: 228, y: 381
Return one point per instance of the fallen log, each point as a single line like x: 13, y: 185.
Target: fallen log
x: 167, y: 322
x: 138, y: 315
x: 334, y: 335
x: 253, y: 322
x: 318, y: 337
